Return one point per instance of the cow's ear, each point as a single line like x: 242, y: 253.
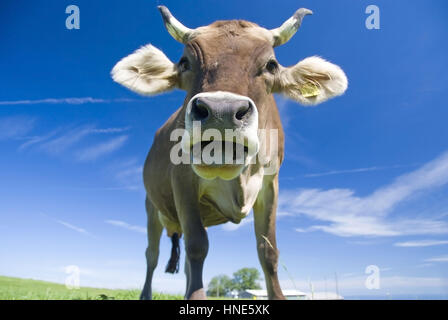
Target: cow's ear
x: 146, y: 71
x: 311, y: 81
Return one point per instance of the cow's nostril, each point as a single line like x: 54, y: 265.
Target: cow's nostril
x: 199, y: 109
x: 243, y: 111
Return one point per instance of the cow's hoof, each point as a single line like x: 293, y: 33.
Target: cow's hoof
x: 198, y: 295
x: 145, y: 297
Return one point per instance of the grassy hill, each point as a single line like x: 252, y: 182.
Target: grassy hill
x: 27, y: 289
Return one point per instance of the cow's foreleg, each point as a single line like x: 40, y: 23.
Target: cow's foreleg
x: 196, y: 248
x: 264, y: 215
x: 187, y: 274
x: 155, y: 229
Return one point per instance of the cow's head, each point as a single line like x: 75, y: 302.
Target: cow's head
x: 229, y: 72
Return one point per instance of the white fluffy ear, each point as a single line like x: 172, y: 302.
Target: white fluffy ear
x: 312, y: 81
x: 146, y: 71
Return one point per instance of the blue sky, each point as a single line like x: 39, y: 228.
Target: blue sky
x: 364, y: 182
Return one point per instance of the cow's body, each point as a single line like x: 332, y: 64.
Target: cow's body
x: 220, y: 201
x: 229, y: 73
x: 171, y: 188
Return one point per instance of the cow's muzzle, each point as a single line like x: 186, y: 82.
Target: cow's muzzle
x: 221, y: 134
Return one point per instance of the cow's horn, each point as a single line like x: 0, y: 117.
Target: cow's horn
x: 176, y: 29
x: 285, y: 32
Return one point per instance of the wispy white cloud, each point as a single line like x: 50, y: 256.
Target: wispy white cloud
x: 55, y: 141
x: 356, y: 170
x: 421, y: 243
x: 438, y: 259
x: 347, y: 215
x: 73, y: 227
x: 329, y: 173
x: 101, y: 149
x: 126, y: 226
x: 15, y: 127
x: 369, y: 242
x: 60, y: 140
x: 110, y: 130
x: 82, y: 100
x: 128, y: 173
x: 34, y: 140
x: 63, y: 142
x: 424, y: 265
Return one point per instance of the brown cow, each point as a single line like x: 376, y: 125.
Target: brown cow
x: 229, y: 73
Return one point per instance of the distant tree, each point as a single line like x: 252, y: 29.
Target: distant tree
x: 246, y: 278
x: 219, y: 286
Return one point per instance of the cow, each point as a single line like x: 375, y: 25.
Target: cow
x: 229, y: 73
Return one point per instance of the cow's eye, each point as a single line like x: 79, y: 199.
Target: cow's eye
x: 272, y: 66
x: 184, y: 65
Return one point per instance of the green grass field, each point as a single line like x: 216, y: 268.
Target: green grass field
x: 26, y: 289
